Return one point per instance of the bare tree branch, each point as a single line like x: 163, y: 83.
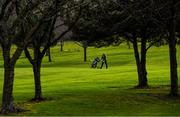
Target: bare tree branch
x: 62, y: 34
x: 24, y: 12
x: 27, y: 39
x: 50, y: 33
x: 59, y: 25
x: 79, y: 44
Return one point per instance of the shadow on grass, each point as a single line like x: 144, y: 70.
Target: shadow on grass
x: 23, y: 107
x: 160, y: 92
x: 40, y: 100
x: 18, y: 108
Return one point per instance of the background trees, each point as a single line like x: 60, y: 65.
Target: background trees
x: 93, y: 29
x: 105, y: 21
x: 144, y: 21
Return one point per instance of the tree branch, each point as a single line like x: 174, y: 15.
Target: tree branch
x: 62, y: 34
x: 31, y: 32
x: 44, y: 34
x: 10, y: 10
x: 1, y: 40
x: 152, y: 44
x: 28, y: 55
x: 24, y: 13
x: 16, y: 55
x: 27, y: 39
x: 59, y: 25
x: 49, y: 38
x: 79, y: 44
x: 17, y: 7
x: 69, y: 28
x: 3, y: 8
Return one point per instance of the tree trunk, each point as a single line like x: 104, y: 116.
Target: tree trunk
x: 85, y: 54
x: 172, y: 52
x: 128, y: 44
x: 37, y: 80
x: 61, y: 44
x: 49, y: 55
x: 36, y: 63
x: 7, y: 97
x: 143, y: 81
x: 136, y: 54
x: 85, y: 45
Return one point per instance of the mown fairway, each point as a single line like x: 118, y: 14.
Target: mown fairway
x: 73, y: 88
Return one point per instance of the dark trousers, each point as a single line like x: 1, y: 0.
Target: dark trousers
x: 103, y: 64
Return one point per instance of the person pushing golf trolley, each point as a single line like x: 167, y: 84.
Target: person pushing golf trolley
x: 104, y: 61
x: 96, y: 60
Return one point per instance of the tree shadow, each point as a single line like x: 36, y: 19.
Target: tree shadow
x: 159, y: 92
x: 18, y: 108
x: 39, y: 100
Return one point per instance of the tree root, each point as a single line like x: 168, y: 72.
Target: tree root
x: 172, y: 95
x: 13, y: 110
x: 141, y: 87
x: 40, y: 99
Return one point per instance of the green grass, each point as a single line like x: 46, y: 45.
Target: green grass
x: 73, y: 88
